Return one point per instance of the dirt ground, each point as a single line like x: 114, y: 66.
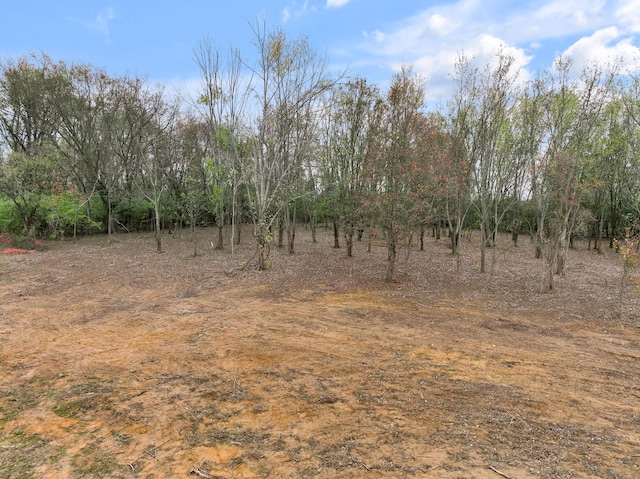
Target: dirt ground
x: 117, y: 362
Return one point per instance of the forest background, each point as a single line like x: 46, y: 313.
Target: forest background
x: 284, y: 141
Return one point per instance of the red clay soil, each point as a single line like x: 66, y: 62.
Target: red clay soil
x: 119, y: 362
x: 17, y: 251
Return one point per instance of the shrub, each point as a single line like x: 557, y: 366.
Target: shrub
x: 9, y: 219
x: 131, y: 212
x: 66, y: 212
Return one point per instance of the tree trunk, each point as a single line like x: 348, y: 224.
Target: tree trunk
x: 483, y: 247
x: 409, y: 244
x: 561, y: 257
x: 193, y: 233
x: 538, y: 243
x: 238, y: 230
x: 391, y: 264
x: 348, y: 238
x: 614, y: 227
x: 550, y: 285
x: 313, y: 225
x: 263, y: 246
x: 220, y: 243
x: 291, y: 230
x: 454, y: 236
x: 281, y: 232
x: 156, y: 207
x: 560, y: 263
x: 234, y: 217
x: 422, y: 228
x: 494, y: 254
x: 489, y: 236
x: 336, y: 236
x: 598, y: 234
x: 538, y: 251
x: 109, y: 221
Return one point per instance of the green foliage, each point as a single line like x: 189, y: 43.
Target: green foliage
x: 9, y: 219
x: 53, y: 216
x: 170, y: 209
x: 24, y: 215
x: 65, y: 212
x: 26, y: 179
x: 97, y: 210
x: 218, y: 174
x: 324, y: 206
x: 193, y: 198
x: 133, y: 211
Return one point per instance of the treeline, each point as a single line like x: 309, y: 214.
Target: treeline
x: 283, y: 140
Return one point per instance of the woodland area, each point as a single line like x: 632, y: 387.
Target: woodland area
x: 284, y: 141
x: 351, y: 285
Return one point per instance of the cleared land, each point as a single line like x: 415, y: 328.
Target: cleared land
x: 119, y: 362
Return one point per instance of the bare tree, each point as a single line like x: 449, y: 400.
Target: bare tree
x: 350, y: 113
x: 290, y: 79
x: 631, y: 99
x: 398, y: 165
x: 480, y: 112
x: 187, y: 177
x: 572, y: 113
x: 152, y: 121
x: 225, y: 86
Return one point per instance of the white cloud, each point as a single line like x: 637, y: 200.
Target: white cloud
x: 604, y: 47
x: 433, y: 40
x: 378, y: 35
x: 285, y: 15
x: 441, y: 25
x: 628, y: 15
x: 336, y: 3
x: 423, y: 31
x: 559, y: 19
x: 100, y: 24
x: 487, y: 48
x: 531, y: 32
x: 295, y: 11
x: 438, y: 67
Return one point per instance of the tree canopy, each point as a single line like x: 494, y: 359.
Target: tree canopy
x: 284, y: 140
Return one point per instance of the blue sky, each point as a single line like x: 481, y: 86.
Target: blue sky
x: 372, y: 37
